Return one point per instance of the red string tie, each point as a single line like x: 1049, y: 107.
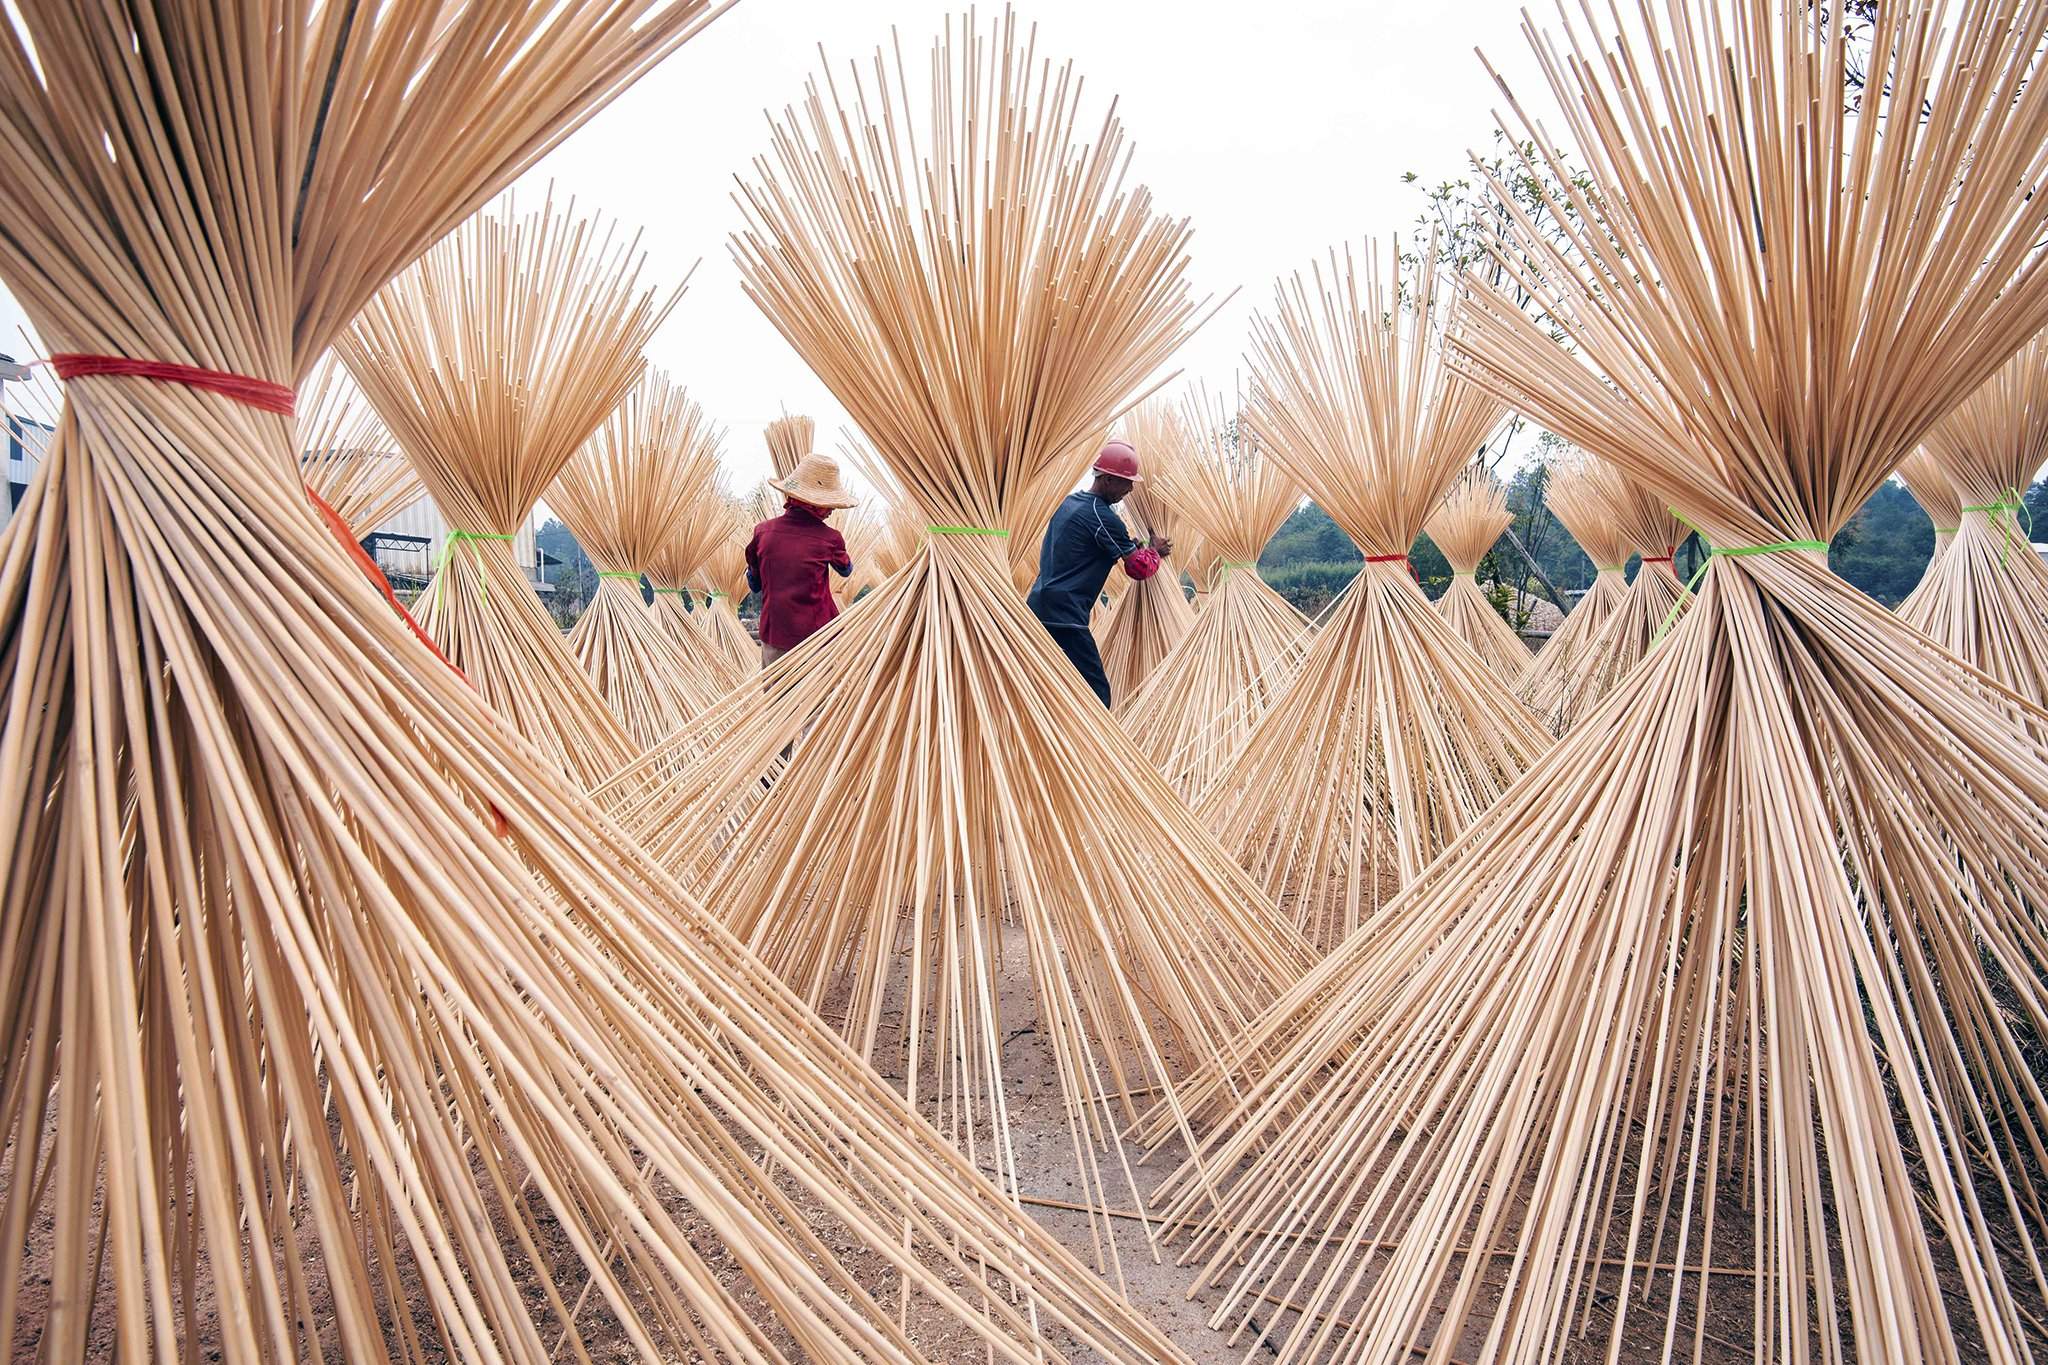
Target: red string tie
x: 1413, y: 572
x: 256, y: 393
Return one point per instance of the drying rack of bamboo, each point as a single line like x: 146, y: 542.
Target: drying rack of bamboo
x: 1986, y: 596
x: 1153, y: 615
x: 1247, y: 641
x: 1929, y: 484
x: 300, y: 1055
x: 348, y: 459
x: 972, y: 887
x: 1647, y: 610
x: 1465, y: 526
x: 492, y: 360
x: 624, y: 496
x: 723, y: 579
x: 1585, y: 494
x: 1726, y: 1005
x: 1393, y: 736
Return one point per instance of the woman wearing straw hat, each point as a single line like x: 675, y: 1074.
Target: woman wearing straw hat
x: 788, y: 556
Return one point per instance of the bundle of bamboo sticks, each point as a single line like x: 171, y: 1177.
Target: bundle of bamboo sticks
x: 1986, y: 596
x: 723, y: 579
x: 1727, y: 1006
x: 934, y: 855
x: 346, y: 456
x: 300, y: 1056
x: 1645, y: 526
x: 492, y: 360
x: 624, y: 496
x: 789, y: 439
x: 1153, y: 615
x: 1929, y: 484
x: 1465, y: 526
x: 1586, y: 495
x: 1247, y: 641
x: 1393, y: 736
x: 693, y: 553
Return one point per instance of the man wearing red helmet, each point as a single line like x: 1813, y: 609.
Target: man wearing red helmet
x: 1085, y: 539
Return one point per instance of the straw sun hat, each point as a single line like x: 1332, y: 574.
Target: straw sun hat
x: 815, y: 480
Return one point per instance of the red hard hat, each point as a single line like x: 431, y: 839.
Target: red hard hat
x: 1120, y: 460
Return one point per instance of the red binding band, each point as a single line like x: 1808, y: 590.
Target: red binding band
x: 1660, y: 559
x: 1390, y: 559
x: 256, y: 393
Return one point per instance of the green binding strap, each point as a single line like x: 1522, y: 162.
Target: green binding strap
x: 617, y: 573
x: 709, y: 594
x: 967, y: 530
x: 2009, y: 501
x: 1729, y: 552
x: 447, y: 557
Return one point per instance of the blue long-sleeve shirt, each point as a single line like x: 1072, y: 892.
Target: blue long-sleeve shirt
x: 1083, y: 542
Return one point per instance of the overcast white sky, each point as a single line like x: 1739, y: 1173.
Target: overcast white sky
x: 1280, y: 130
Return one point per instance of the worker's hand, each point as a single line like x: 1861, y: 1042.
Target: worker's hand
x: 1164, y: 545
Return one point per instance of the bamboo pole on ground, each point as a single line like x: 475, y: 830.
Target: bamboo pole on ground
x: 1585, y: 494
x: 1647, y: 610
x: 624, y: 496
x: 1465, y: 526
x: 1246, y: 644
x: 346, y: 456
x: 1754, y: 955
x: 1986, y: 596
x: 1929, y: 484
x: 943, y: 763
x: 1393, y: 736
x: 1153, y: 615
x: 491, y: 360
x: 301, y: 1057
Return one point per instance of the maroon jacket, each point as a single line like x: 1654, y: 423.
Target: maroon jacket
x: 786, y: 564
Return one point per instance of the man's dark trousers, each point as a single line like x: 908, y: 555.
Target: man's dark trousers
x: 1078, y: 643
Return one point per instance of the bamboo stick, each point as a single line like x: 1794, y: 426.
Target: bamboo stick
x: 347, y: 457
x: 299, y: 1056
x: 1929, y: 484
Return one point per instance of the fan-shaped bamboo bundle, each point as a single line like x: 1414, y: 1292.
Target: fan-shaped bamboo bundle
x: 1929, y: 484
x: 1393, y: 735
x: 347, y: 458
x: 1646, y: 611
x: 1986, y: 597
x: 723, y: 576
x: 1724, y: 1009
x: 789, y: 439
x: 944, y: 770
x: 491, y: 361
x: 1246, y: 644
x: 1153, y: 615
x: 1465, y: 526
x: 624, y: 496
x: 1585, y: 494
x: 708, y: 528
x: 300, y: 1058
